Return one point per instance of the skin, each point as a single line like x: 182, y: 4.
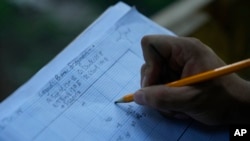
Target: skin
x: 224, y: 100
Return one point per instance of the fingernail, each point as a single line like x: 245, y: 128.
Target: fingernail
x: 139, y: 97
x: 144, y: 82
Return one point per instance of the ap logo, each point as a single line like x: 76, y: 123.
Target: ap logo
x: 240, y: 132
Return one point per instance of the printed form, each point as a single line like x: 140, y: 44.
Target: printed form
x: 72, y: 97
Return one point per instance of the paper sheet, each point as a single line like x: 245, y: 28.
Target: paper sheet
x: 72, y: 98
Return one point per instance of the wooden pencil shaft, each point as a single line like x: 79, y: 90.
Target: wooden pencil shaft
x: 211, y: 74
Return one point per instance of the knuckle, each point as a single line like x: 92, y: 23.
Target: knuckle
x: 195, y: 41
x: 145, y: 41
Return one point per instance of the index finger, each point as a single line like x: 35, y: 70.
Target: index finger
x: 175, y: 49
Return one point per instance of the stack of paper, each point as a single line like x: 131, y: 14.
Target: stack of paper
x: 72, y: 97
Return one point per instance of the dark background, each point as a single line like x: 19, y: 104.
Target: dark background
x: 32, y: 33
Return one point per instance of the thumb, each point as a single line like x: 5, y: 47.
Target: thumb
x: 166, y: 98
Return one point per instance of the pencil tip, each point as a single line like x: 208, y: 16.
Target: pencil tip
x: 118, y: 101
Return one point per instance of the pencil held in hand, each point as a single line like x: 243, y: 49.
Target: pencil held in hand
x: 211, y: 74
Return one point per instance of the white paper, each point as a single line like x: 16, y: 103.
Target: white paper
x: 72, y: 98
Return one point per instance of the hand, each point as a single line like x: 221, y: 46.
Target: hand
x: 224, y: 100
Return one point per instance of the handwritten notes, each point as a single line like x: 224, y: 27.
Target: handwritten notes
x: 73, y: 99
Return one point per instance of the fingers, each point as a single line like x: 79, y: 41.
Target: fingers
x: 166, y: 98
x: 171, y: 58
x: 158, y: 53
x: 168, y: 47
x: 143, y: 77
x: 187, y: 56
x: 153, y: 48
x: 151, y: 70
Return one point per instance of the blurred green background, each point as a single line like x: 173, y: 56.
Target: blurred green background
x: 32, y: 32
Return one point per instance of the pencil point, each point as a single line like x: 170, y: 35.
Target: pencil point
x: 118, y: 101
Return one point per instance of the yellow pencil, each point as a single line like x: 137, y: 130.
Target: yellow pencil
x: 211, y: 74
